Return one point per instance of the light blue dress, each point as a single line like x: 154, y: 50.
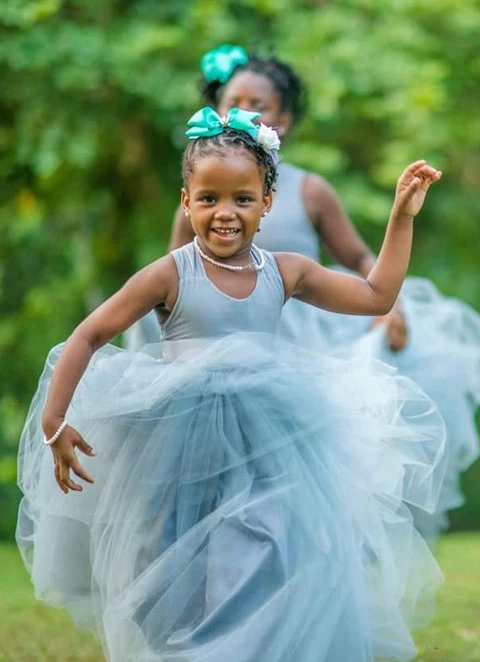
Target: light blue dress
x: 249, y: 496
x: 443, y: 351
x: 145, y: 331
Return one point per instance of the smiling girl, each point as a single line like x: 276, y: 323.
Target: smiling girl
x: 245, y: 498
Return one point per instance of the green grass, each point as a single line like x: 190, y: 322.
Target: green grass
x: 31, y: 632
x: 454, y: 635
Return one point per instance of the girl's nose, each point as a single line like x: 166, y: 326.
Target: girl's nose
x: 225, y: 213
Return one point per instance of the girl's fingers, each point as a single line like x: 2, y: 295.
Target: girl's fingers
x: 74, y: 486
x: 419, y: 169
x: 80, y: 471
x: 85, y: 448
x: 413, y: 167
x: 59, y: 480
x: 413, y: 186
x: 429, y: 171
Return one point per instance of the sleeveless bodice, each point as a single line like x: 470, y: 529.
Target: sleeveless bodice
x: 203, y: 311
x: 287, y: 226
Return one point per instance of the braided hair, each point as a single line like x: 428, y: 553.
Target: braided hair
x: 230, y: 139
x: 290, y: 87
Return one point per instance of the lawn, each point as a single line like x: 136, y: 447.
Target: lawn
x: 30, y: 632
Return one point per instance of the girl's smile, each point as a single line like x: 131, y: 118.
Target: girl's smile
x: 225, y: 199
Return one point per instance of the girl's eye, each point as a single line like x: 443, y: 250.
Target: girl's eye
x: 244, y: 199
x: 209, y: 199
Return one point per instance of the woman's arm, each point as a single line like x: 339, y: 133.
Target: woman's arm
x: 337, y: 232
x: 376, y: 294
x: 182, y: 231
x: 157, y: 283
x: 347, y: 248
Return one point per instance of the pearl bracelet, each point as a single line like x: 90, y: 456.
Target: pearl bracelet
x: 49, y: 442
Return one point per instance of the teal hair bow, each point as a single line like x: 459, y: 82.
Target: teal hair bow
x: 207, y: 123
x: 219, y: 63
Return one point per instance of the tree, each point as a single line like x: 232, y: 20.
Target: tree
x: 93, y: 105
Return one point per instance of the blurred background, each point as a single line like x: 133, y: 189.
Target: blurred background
x: 94, y: 95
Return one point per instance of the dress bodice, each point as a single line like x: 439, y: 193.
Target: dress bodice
x: 203, y: 311
x: 287, y: 227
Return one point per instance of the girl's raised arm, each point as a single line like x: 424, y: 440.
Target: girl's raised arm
x: 376, y: 294
x: 153, y: 285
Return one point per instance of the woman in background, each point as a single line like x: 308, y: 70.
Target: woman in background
x: 432, y: 339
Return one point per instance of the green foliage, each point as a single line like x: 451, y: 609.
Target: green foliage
x: 94, y: 96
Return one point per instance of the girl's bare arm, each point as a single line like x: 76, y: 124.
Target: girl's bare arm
x: 337, y: 232
x: 150, y: 287
x: 376, y: 294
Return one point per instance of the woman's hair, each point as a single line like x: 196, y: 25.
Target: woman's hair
x: 289, y: 85
x: 230, y: 140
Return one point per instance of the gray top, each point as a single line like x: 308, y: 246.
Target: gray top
x: 203, y: 311
x: 287, y: 227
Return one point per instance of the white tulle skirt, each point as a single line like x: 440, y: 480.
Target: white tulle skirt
x: 442, y: 356
x: 249, y: 504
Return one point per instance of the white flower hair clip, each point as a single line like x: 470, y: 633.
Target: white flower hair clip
x: 268, y: 138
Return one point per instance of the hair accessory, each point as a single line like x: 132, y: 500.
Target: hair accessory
x: 49, y: 442
x: 207, y: 123
x: 219, y: 63
x: 268, y: 137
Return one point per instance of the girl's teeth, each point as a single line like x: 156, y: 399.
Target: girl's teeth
x: 226, y: 232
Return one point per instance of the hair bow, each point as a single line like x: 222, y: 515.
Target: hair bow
x: 207, y: 123
x: 219, y: 63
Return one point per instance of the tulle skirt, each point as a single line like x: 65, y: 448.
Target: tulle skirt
x: 248, y: 504
x: 442, y: 356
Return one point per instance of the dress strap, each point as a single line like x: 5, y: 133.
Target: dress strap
x: 273, y: 276
x: 185, y: 259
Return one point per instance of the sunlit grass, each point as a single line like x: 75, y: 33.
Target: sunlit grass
x: 32, y: 632
x: 454, y: 635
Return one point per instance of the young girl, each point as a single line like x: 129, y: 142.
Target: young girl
x: 433, y: 340
x: 245, y: 497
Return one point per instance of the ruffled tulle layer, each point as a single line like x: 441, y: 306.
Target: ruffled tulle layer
x: 442, y: 356
x: 249, y: 504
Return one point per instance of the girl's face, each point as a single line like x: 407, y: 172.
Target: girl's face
x: 255, y: 92
x: 225, y: 201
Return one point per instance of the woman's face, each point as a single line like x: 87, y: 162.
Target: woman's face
x: 255, y: 92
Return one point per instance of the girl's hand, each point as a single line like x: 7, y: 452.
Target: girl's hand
x: 412, y: 187
x: 65, y: 459
x: 395, y: 328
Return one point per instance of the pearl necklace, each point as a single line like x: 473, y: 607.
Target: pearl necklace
x: 255, y: 253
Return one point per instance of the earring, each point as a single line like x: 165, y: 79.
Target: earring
x: 186, y: 212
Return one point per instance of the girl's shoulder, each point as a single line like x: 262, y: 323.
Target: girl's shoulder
x: 160, y: 274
